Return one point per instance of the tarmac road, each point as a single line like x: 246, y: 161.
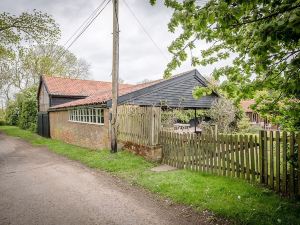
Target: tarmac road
x: 40, y: 187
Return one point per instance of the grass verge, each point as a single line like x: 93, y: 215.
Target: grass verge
x: 231, y: 198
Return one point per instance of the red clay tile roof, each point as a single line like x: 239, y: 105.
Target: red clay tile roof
x: 246, y: 105
x: 103, y: 96
x: 76, y: 87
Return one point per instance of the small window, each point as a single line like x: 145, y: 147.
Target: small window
x: 87, y: 115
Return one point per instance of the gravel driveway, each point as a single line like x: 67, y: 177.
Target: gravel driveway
x: 40, y: 187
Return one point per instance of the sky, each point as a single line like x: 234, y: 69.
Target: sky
x: 139, y: 57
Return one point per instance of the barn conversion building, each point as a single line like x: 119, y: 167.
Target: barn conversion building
x: 77, y: 111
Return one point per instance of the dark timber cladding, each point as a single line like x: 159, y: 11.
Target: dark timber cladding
x: 175, y: 92
x: 57, y: 100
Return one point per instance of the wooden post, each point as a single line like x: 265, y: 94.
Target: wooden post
x: 277, y: 161
x: 271, y: 183
x: 115, y: 76
x: 252, y: 159
x: 298, y: 150
x: 284, y: 162
x: 291, y: 167
x: 261, y: 158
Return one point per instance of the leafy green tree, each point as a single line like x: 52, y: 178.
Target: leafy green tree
x: 35, y: 27
x: 27, y: 103
x: 223, y: 114
x: 54, y: 60
x: 25, y: 69
x: 262, y: 39
x: 22, y: 111
x: 16, y: 34
x: 12, y: 113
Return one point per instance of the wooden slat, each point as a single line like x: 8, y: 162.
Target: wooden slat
x: 298, y: 150
x: 271, y: 183
x: 227, y: 156
x: 247, y: 162
x: 256, y: 151
x: 219, y: 155
x: 284, y: 162
x: 214, y: 148
x: 291, y: 166
x: 242, y: 156
x: 223, y: 155
x: 265, y: 159
x: 197, y: 153
x: 202, y: 154
x: 192, y: 151
x: 261, y: 156
x: 211, y: 153
x: 237, y: 156
x: 277, y: 161
x: 252, y: 158
x: 232, y: 150
x: 206, y: 153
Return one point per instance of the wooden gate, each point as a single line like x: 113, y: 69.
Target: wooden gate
x: 43, y: 124
x: 139, y: 125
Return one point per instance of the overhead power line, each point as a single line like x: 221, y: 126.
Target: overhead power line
x: 145, y: 31
x: 85, y: 22
x: 84, y: 26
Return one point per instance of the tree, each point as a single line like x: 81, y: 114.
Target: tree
x: 35, y: 27
x: 222, y: 113
x: 22, y: 111
x: 17, y: 32
x: 261, y: 37
x: 25, y: 68
x: 54, y: 60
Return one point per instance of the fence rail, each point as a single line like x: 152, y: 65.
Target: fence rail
x: 271, y: 158
x: 139, y: 125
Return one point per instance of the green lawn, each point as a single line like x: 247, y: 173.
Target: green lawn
x: 234, y: 199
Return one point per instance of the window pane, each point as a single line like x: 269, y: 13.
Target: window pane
x: 90, y: 115
x: 82, y: 115
x: 98, y: 116
x: 87, y: 116
x: 102, y: 116
x: 94, y: 116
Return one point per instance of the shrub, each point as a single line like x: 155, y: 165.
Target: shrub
x: 12, y: 113
x: 222, y: 113
x: 2, y: 117
x: 28, y: 109
x: 244, y: 125
x: 23, y: 111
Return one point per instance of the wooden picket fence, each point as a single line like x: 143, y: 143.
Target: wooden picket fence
x: 271, y: 158
x: 139, y: 125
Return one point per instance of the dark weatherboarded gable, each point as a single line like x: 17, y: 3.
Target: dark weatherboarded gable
x: 176, y: 92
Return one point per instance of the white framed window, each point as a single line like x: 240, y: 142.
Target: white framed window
x: 87, y: 115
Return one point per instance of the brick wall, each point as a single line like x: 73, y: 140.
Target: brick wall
x: 93, y: 136
x: 153, y: 153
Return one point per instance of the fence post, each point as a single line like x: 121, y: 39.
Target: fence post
x: 261, y: 158
x: 298, y: 150
x: 291, y: 166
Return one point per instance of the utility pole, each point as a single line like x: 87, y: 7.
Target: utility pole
x: 115, y: 76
